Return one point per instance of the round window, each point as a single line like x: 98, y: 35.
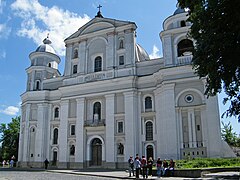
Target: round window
x: 189, y: 98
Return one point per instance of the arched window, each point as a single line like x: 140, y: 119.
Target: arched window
x: 55, y: 136
x: 148, y: 103
x: 183, y: 23
x: 98, y: 64
x: 75, y: 69
x: 149, y: 131
x: 72, y: 150
x: 49, y: 64
x: 56, y: 112
x: 75, y: 53
x: 97, y: 111
x: 185, y: 46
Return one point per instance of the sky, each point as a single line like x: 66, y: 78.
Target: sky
x: 25, y: 23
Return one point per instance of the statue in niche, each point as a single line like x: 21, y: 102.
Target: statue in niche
x: 72, y: 150
x: 120, y: 148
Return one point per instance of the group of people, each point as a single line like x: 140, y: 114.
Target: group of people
x: 9, y: 163
x: 144, y: 167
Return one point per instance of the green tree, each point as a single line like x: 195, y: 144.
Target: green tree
x: 216, y: 30
x: 228, y: 135
x: 10, y: 138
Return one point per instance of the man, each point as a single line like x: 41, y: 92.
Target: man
x: 131, y: 166
x: 46, y: 162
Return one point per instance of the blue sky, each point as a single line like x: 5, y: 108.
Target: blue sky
x: 25, y: 23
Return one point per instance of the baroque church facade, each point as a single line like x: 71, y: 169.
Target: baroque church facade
x: 113, y: 101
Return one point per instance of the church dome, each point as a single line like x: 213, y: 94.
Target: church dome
x: 179, y: 11
x: 46, y: 47
x: 142, y: 54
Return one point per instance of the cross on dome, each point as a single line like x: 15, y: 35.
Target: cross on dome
x: 99, y: 12
x: 46, y: 40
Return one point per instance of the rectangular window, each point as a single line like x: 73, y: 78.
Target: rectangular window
x: 75, y: 69
x: 121, y: 60
x: 120, y: 127
x: 72, y: 130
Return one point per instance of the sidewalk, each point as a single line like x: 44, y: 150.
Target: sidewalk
x: 124, y: 174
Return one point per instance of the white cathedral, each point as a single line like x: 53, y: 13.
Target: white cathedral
x: 113, y: 101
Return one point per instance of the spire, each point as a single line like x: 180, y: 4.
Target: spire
x: 99, y: 12
x: 46, y: 40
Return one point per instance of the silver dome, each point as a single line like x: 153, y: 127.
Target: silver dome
x: 46, y: 47
x: 142, y: 54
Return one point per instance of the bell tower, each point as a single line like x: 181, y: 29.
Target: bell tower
x: 44, y: 65
x: 177, y: 47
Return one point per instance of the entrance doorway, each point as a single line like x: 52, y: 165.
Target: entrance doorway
x: 150, y: 151
x: 96, y: 152
x: 54, y: 162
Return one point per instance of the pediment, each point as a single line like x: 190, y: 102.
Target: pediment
x: 96, y: 27
x: 98, y: 24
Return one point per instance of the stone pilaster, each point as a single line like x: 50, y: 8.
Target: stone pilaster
x: 41, y: 133
x: 110, y: 150
x: 26, y: 135
x: 82, y: 57
x: 131, y: 120
x: 166, y: 122
x: 62, y: 140
x: 79, y: 153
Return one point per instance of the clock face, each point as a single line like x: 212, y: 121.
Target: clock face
x: 189, y: 98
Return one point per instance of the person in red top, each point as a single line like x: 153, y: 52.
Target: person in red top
x: 144, y: 167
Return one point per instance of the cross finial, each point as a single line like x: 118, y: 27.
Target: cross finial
x: 99, y: 12
x: 99, y: 7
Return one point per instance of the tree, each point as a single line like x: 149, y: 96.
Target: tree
x: 228, y: 135
x: 10, y: 138
x: 216, y: 31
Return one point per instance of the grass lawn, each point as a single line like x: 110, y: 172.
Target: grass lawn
x: 207, y: 163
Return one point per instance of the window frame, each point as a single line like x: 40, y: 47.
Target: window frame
x: 148, y: 137
x: 98, y: 63
x: 118, y: 123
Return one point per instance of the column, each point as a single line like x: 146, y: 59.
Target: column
x: 110, y: 51
x: 190, y: 133
x: 67, y: 69
x: 191, y: 128
x: 79, y: 153
x: 110, y: 110
x: 82, y: 56
x: 167, y: 50
x: 26, y: 133
x: 42, y: 130
x: 131, y: 120
x: 62, y: 136
x: 167, y: 128
x: 48, y: 138
x: 180, y: 127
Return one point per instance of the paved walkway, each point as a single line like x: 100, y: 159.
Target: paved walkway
x: 124, y: 174
x: 117, y: 174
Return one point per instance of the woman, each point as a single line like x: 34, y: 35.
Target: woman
x: 159, y: 167
x: 150, y: 164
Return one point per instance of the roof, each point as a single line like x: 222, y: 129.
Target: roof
x: 102, y: 23
x: 46, y: 47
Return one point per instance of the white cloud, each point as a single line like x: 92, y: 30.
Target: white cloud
x: 10, y: 110
x: 2, y: 54
x: 39, y: 20
x: 2, y: 4
x: 4, y: 31
x: 155, y: 53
